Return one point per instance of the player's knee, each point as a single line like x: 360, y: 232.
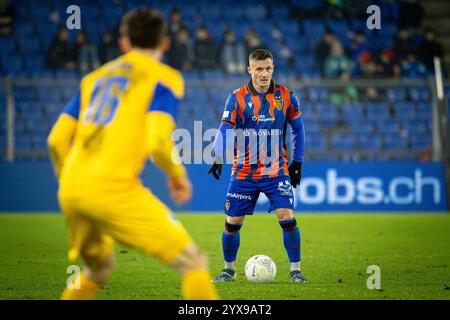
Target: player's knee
x: 232, y: 228
x: 288, y: 225
x: 285, y: 214
x: 100, y: 271
x: 190, y: 259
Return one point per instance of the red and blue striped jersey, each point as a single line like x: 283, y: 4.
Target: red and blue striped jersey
x: 260, y: 121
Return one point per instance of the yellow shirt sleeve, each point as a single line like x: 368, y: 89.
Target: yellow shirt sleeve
x: 161, y: 148
x: 60, y: 140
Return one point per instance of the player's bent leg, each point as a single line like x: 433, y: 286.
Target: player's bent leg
x: 291, y: 241
x: 192, y: 265
x: 99, y: 272
x: 230, y: 246
x: 93, y: 246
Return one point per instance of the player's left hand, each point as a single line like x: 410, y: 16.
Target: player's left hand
x: 216, y: 170
x: 180, y: 189
x: 295, y: 173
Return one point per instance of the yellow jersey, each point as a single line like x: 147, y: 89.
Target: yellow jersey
x: 111, y: 141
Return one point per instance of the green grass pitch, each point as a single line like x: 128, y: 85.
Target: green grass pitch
x: 412, y: 250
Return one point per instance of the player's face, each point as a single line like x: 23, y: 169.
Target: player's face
x: 261, y: 72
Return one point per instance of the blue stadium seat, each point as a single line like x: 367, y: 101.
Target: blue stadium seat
x: 369, y: 142
x: 377, y: 111
x: 419, y: 94
x: 313, y: 28
x: 24, y: 30
x: 280, y: 13
x: 7, y: 45
x: 404, y: 110
x: 308, y: 5
x: 317, y: 94
x: 339, y: 27
x: 316, y: 143
x: 66, y: 75
x: 311, y: 127
x: 421, y: 142
x: 396, y: 94
x: 393, y: 142
x: 343, y: 142
x: 12, y: 64
x: 254, y: 12
x: 392, y: 127
x: 424, y: 110
x: 353, y: 113
x: 23, y: 142
x: 2, y: 142
x: 359, y: 126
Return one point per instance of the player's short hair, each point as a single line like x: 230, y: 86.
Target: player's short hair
x: 259, y: 55
x: 145, y: 27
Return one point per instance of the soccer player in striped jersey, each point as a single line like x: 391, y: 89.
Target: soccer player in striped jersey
x: 257, y: 115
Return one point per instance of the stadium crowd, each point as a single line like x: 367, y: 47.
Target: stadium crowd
x: 409, y: 55
x: 333, y: 33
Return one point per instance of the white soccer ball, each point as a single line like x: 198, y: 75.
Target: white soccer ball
x: 260, y: 269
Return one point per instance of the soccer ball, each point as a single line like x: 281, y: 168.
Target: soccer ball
x: 260, y: 269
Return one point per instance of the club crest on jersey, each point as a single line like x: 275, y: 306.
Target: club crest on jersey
x: 227, y: 205
x: 278, y: 102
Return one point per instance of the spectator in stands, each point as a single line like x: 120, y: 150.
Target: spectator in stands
x: 108, y: 49
x: 85, y: 53
x: 337, y: 64
x: 412, y: 68
x: 54, y: 17
x: 368, y: 67
x: 205, y: 49
x: 390, y: 10
x: 60, y: 54
x: 429, y: 49
x: 323, y: 49
x: 357, y: 8
x: 359, y: 46
x: 253, y: 42
x: 338, y: 10
x: 387, y: 64
x: 411, y: 14
x: 233, y: 55
x: 6, y: 18
x: 276, y: 32
x: 175, y: 23
x: 181, y: 55
x: 403, y: 46
x: 286, y: 54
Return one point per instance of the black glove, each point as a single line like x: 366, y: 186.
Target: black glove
x: 216, y: 170
x: 295, y: 172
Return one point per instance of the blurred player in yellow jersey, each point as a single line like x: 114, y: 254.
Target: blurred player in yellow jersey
x: 123, y: 113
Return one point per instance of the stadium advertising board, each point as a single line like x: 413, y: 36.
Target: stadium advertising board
x: 342, y: 187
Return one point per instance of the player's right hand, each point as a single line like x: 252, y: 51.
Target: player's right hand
x: 216, y: 170
x: 180, y: 189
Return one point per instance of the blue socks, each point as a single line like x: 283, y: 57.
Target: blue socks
x: 291, y: 239
x: 231, y: 239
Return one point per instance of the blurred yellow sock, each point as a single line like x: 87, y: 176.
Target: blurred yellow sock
x: 196, y: 285
x: 87, y: 291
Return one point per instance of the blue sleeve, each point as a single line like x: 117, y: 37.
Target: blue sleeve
x: 164, y: 100
x: 229, y: 114
x: 298, y: 133
x: 220, y: 141
x: 73, y: 107
x: 294, y: 109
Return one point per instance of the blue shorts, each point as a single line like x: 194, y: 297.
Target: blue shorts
x: 243, y: 194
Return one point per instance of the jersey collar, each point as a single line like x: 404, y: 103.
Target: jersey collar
x: 253, y: 91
